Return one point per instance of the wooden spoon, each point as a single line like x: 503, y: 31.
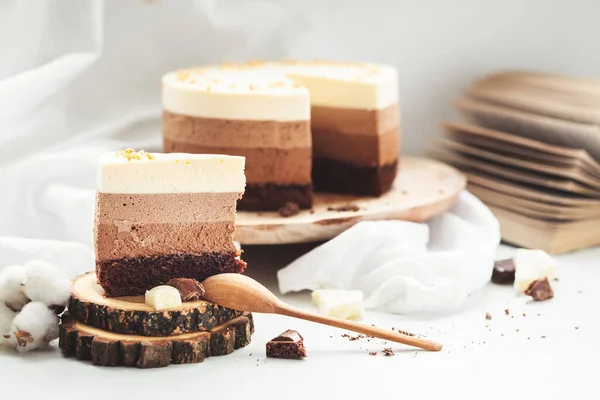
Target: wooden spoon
x: 245, y: 294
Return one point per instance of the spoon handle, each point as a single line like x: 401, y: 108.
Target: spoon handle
x: 386, y: 334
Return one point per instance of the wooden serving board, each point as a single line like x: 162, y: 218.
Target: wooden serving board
x: 423, y: 189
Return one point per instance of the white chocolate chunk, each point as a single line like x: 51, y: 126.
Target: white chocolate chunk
x: 345, y: 304
x: 531, y: 265
x: 163, y: 297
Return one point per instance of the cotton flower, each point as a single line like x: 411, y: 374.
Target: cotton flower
x: 34, y: 327
x: 12, y: 292
x: 46, y: 283
x: 6, y: 318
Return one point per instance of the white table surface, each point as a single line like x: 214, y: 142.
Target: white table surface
x: 504, y: 358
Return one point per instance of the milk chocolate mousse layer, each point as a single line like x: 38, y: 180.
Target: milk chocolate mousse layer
x: 355, y: 121
x: 239, y: 133
x: 362, y: 150
x: 140, y: 225
x: 168, y: 216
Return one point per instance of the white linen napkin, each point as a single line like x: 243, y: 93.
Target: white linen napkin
x: 404, y: 267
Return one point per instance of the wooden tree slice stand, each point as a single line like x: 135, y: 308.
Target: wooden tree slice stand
x: 130, y: 315
x: 423, y: 189
x: 125, y: 331
x: 114, y: 349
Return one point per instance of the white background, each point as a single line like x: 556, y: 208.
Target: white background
x: 106, y: 95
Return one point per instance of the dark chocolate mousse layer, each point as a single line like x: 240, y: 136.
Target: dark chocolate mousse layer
x: 341, y: 177
x: 272, y: 197
x: 133, y: 276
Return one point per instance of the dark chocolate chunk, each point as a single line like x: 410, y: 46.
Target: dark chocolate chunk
x: 189, y: 289
x: 289, y: 344
x: 289, y: 210
x: 504, y: 272
x: 540, y: 290
x: 349, y: 207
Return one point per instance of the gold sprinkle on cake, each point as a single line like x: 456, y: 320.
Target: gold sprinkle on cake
x: 130, y: 154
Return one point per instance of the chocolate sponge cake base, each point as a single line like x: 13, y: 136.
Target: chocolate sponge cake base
x: 272, y: 197
x: 133, y: 276
x: 340, y: 177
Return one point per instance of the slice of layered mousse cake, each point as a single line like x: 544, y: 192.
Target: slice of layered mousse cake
x: 163, y: 216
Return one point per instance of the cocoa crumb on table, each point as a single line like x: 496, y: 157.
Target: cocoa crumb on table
x: 488, y: 316
x: 388, y: 352
x: 348, y: 207
x: 506, y: 311
x: 372, y: 353
x: 353, y: 338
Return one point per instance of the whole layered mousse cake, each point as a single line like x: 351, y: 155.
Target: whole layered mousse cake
x: 163, y: 216
x: 331, y: 125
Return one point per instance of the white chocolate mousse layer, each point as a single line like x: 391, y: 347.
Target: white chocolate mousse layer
x: 128, y: 171
x: 278, y: 91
